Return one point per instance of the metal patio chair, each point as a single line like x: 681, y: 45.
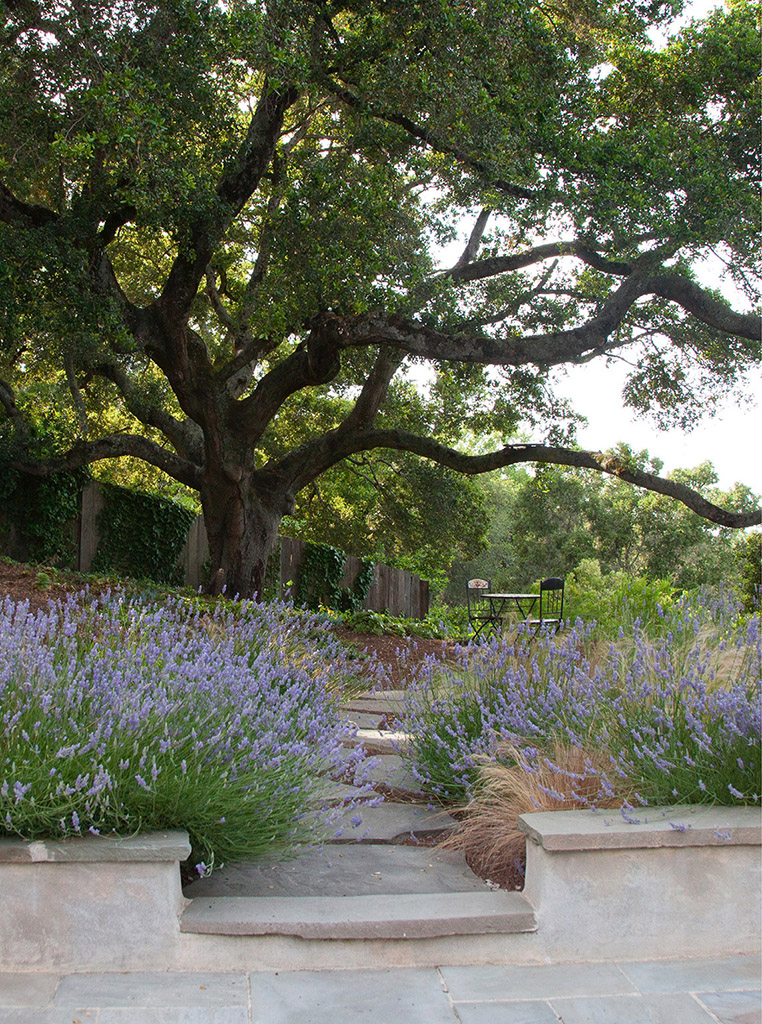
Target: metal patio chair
x: 551, y: 603
x: 481, y: 614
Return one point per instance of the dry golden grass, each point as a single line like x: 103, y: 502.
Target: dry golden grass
x: 567, y: 778
x: 725, y: 661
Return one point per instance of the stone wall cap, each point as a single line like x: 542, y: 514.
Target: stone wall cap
x: 153, y: 846
x: 612, y: 829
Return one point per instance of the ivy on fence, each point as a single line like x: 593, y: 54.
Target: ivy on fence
x: 318, y: 580
x: 43, y: 510
x: 141, y: 535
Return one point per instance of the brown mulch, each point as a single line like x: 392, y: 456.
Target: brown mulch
x: 397, y: 655
x: 37, y: 584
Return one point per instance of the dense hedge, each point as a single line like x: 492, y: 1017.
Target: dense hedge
x: 42, y: 510
x: 141, y: 535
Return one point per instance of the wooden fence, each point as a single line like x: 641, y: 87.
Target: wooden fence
x: 393, y: 590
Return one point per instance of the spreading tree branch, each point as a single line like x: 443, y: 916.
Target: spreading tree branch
x: 474, y: 239
x: 550, y: 349
x: 216, y: 302
x: 481, y: 269
x: 183, y: 435
x: 316, y: 457
x: 239, y: 181
x: 8, y: 400
x: 25, y: 215
x: 431, y: 138
x: 259, y: 270
x: 115, y: 220
x: 244, y: 358
x: 705, y: 307
x: 374, y: 389
x: 76, y: 394
x: 315, y: 362
x: 114, y: 446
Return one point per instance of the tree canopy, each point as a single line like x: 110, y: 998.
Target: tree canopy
x: 219, y: 228
x: 547, y: 523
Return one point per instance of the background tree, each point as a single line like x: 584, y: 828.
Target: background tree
x: 395, y: 509
x: 546, y: 524
x: 208, y: 213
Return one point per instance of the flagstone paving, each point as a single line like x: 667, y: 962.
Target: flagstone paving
x: 358, y: 870
x: 652, y: 992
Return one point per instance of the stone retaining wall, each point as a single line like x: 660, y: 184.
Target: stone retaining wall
x: 676, y: 882
x: 663, y: 882
x: 91, y: 903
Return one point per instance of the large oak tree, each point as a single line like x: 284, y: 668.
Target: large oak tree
x: 219, y: 227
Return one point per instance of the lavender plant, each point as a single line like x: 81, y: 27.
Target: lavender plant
x: 119, y: 716
x: 673, y: 717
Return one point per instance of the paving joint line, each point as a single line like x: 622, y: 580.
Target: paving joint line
x: 448, y: 995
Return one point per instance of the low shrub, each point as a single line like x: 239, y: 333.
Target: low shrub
x: 120, y: 716
x: 440, y: 624
x: 677, y: 715
x: 616, y: 602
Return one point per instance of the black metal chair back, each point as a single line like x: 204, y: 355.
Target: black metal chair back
x: 479, y: 608
x: 552, y: 601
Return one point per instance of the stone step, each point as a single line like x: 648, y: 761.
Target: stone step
x: 363, y: 719
x: 387, y: 822
x: 408, y: 916
x: 378, y: 741
x: 361, y: 869
x: 391, y: 770
x: 333, y: 792
x: 380, y: 704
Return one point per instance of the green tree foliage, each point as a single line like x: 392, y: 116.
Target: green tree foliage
x: 219, y: 226
x: 397, y: 510
x: 547, y: 524
x: 751, y: 571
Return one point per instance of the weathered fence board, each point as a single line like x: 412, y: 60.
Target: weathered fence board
x: 91, y: 504
x: 194, y: 553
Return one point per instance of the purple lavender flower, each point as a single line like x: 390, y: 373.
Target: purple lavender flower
x: 148, y: 708
x: 677, y: 721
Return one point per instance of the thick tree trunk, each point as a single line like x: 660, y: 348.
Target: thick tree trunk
x: 242, y: 529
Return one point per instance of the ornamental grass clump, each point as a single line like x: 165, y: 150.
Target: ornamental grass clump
x: 516, y: 781
x: 667, y: 718
x: 119, y: 716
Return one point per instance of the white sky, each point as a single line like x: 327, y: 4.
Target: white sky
x: 732, y: 440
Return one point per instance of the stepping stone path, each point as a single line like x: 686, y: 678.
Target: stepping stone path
x: 379, y: 853
x: 380, y: 877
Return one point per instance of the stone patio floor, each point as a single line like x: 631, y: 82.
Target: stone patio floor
x: 645, y: 992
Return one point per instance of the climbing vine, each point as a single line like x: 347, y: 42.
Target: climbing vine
x: 351, y: 598
x: 43, y: 511
x: 141, y: 535
x: 318, y: 581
